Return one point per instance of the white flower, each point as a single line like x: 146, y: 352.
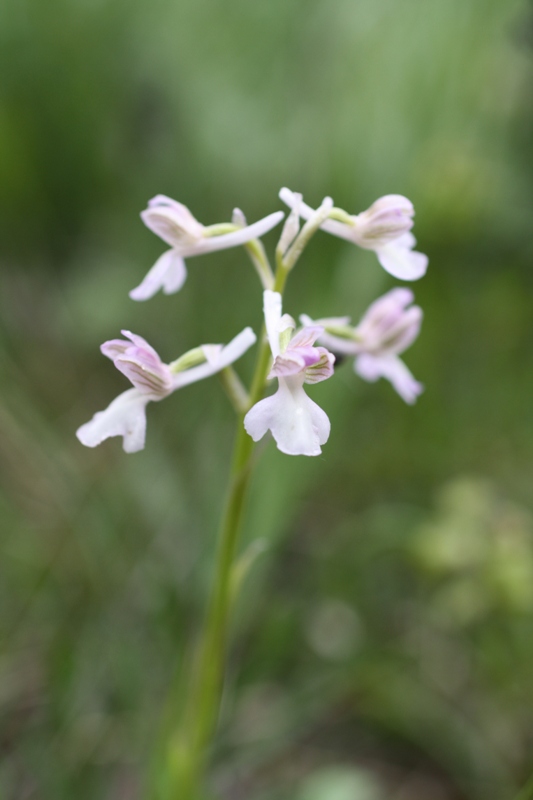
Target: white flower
x: 387, y: 329
x: 174, y: 223
x: 384, y: 227
x: 152, y: 380
x: 297, y: 424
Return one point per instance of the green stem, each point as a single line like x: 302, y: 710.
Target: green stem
x: 187, y: 746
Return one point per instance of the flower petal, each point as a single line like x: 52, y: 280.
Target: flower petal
x: 394, y: 370
x: 298, y: 425
x: 291, y: 362
x: 125, y: 416
x: 292, y: 226
x: 209, y: 244
x: 322, y: 369
x: 238, y: 218
x: 168, y: 273
x: 272, y: 309
x: 171, y: 221
x: 402, y: 262
x: 306, y: 337
x: 147, y: 374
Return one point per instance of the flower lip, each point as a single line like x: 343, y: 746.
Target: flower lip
x: 297, y: 424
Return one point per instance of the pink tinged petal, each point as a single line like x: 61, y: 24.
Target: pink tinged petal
x: 386, y: 219
x: 384, y: 317
x: 392, y: 204
x: 406, y: 330
x: 154, y: 378
x: 293, y: 361
x: 138, y: 341
x: 226, y: 356
x: 402, y: 262
x: 394, y: 370
x: 172, y: 222
x: 322, y: 369
x: 297, y: 424
x: 307, y: 336
x: 168, y: 273
x: 125, y: 416
x: 114, y: 348
x: 164, y: 201
x: 140, y: 363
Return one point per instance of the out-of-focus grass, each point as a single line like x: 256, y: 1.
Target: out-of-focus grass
x: 386, y: 633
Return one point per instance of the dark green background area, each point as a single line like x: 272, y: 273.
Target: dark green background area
x: 383, y: 646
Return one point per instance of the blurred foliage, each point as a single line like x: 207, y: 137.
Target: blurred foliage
x: 384, y: 647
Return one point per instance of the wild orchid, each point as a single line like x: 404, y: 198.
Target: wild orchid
x: 385, y: 227
x: 389, y: 326
x: 298, y: 425
x: 174, y: 223
x: 152, y: 381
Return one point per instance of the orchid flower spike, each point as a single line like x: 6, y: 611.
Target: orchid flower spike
x: 385, y: 227
x: 297, y: 424
x: 174, y: 223
x: 152, y: 381
x: 389, y: 327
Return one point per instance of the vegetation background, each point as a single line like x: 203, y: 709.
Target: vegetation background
x: 384, y: 647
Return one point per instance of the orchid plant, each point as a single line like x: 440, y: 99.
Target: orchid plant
x: 287, y: 354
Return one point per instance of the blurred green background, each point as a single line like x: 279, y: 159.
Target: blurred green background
x: 384, y: 646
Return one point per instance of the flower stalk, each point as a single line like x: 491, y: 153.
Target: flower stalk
x: 188, y: 744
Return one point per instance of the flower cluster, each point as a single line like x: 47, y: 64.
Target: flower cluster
x: 298, y: 425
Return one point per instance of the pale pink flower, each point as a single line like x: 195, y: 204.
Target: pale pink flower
x: 152, y: 381
x: 174, y: 223
x: 297, y: 424
x: 390, y: 326
x: 385, y: 227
